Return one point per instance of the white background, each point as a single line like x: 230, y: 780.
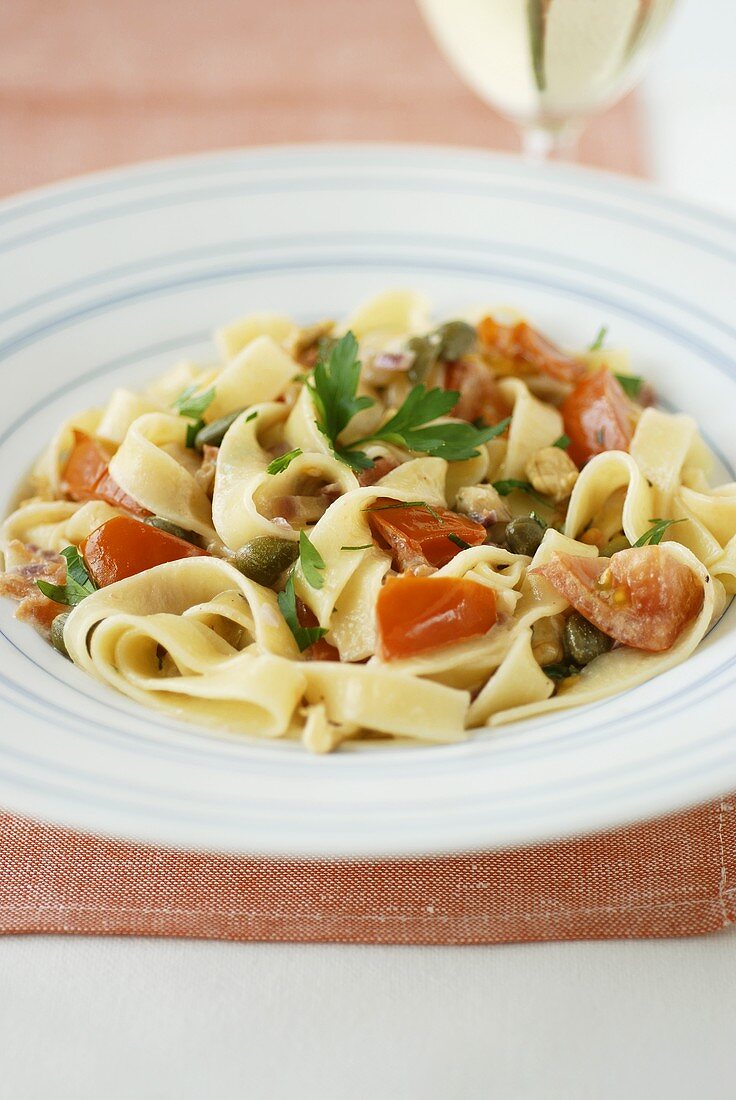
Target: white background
x: 93, y: 1018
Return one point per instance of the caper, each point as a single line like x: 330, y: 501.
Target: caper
x: 264, y: 559
x: 618, y: 542
x: 57, y: 634
x: 214, y: 433
x: 457, y: 338
x: 582, y: 641
x: 523, y: 535
x: 426, y: 352
x: 173, y: 529
x: 496, y: 534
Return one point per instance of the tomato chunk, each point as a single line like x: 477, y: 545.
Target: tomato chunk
x: 420, y: 613
x: 319, y: 650
x: 123, y: 547
x: 87, y: 463
x: 598, y: 417
x: 418, y: 535
x: 643, y: 597
x: 528, y: 350
x: 86, y: 476
x: 480, y: 394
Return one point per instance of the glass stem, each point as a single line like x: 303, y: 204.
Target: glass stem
x: 540, y: 142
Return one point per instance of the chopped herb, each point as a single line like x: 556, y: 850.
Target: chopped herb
x: 365, y: 546
x: 600, y: 437
x: 631, y: 384
x: 405, y: 504
x: 459, y: 542
x: 311, y: 561
x: 334, y: 389
x: 503, y: 488
x: 251, y: 416
x: 538, y: 519
x: 563, y: 442
x: 78, y: 584
x: 560, y: 671
x: 298, y: 377
x: 600, y: 339
x: 304, y: 636
x: 654, y: 535
x: 191, y: 404
x: 283, y: 461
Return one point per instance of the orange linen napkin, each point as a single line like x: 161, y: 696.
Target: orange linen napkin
x: 89, y: 85
x: 671, y: 877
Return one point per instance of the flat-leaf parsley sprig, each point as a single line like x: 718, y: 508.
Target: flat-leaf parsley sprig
x: 334, y: 389
x: 193, y: 405
x: 304, y: 636
x: 78, y: 584
x: 655, y: 534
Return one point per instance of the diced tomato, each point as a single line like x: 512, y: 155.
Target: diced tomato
x: 319, y: 650
x: 86, y: 476
x: 418, y: 535
x: 597, y: 416
x: 123, y: 547
x: 528, y: 350
x: 480, y: 395
x: 643, y: 597
x: 86, y: 465
x: 416, y: 614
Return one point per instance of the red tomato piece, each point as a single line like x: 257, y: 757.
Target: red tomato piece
x: 528, y: 350
x: 643, y: 597
x: 480, y: 394
x: 87, y: 463
x: 319, y: 650
x: 597, y: 416
x: 418, y: 536
x: 416, y: 614
x: 123, y: 547
x: 86, y: 476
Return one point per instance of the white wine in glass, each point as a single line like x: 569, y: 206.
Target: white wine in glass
x: 548, y: 64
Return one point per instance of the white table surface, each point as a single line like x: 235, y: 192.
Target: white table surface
x: 92, y: 1018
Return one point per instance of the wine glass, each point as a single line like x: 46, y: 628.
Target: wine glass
x: 548, y: 64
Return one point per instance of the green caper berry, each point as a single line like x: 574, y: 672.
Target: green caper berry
x: 57, y: 634
x: 618, y: 542
x: 426, y: 352
x: 523, y: 535
x: 582, y: 641
x: 214, y: 433
x: 457, y: 338
x: 496, y: 534
x: 264, y: 559
x: 173, y: 529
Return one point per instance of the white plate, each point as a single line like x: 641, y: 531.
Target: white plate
x: 107, y: 279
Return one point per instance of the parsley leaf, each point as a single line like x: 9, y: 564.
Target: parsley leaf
x: 503, y: 488
x: 283, y: 461
x: 563, y: 442
x: 631, y: 384
x: 191, y: 404
x: 304, y: 636
x: 78, y: 581
x: 365, y: 546
x: 654, y: 535
x: 600, y: 339
x: 311, y: 561
x: 334, y: 388
x: 251, y: 416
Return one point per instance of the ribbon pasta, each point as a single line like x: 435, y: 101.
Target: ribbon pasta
x: 301, y: 654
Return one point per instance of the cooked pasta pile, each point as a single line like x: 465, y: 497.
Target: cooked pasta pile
x: 380, y: 528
